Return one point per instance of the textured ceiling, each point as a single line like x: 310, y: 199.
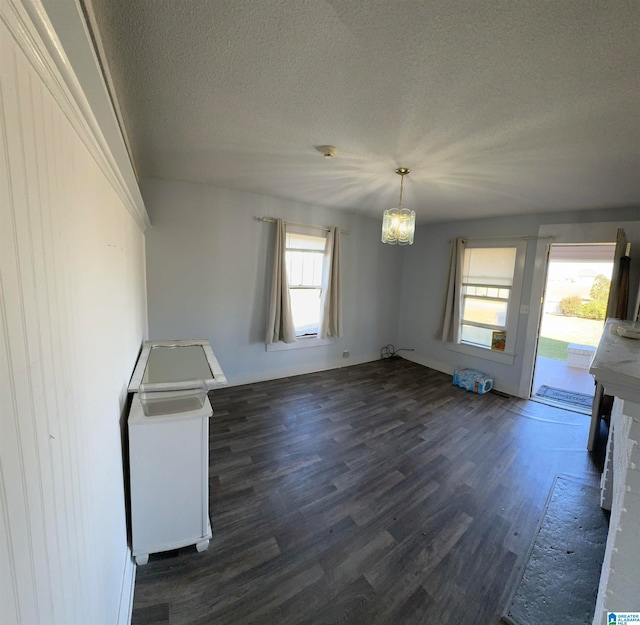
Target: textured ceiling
x: 498, y: 107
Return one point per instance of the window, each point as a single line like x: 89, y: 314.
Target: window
x: 305, y: 257
x: 490, y: 293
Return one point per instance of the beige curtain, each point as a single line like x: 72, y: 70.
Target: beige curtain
x: 451, y: 315
x: 280, y: 321
x: 331, y: 302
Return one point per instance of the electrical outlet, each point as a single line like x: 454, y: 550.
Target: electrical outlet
x: 524, y: 309
x: 345, y: 353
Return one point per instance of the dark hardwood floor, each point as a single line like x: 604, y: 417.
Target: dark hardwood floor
x: 373, y: 494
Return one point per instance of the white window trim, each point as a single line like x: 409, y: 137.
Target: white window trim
x: 508, y: 355
x: 485, y: 353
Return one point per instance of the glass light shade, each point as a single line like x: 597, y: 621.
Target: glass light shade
x: 398, y: 226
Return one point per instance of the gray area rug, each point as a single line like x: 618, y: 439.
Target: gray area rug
x: 582, y: 400
x: 559, y: 582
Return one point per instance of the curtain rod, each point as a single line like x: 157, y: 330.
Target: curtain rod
x: 520, y: 238
x: 297, y: 223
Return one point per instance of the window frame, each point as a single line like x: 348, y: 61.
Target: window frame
x: 513, y: 305
x: 314, y: 232
x: 306, y: 340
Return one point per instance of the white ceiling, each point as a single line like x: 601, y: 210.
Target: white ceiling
x: 498, y: 107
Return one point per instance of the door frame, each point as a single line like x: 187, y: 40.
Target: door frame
x: 584, y: 258
x: 555, y: 233
x: 545, y: 274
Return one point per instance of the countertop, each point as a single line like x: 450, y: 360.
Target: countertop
x: 616, y: 364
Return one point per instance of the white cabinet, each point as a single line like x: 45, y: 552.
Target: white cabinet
x: 169, y: 469
x: 169, y: 446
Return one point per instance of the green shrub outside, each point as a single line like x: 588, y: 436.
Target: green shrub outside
x: 570, y: 306
x: 595, y: 308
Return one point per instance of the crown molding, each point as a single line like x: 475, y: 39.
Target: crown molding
x: 29, y: 25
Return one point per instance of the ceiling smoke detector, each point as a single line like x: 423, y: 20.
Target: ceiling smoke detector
x: 328, y: 151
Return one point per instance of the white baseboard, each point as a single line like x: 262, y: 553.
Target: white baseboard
x: 426, y: 362
x: 287, y: 372
x: 448, y: 369
x: 339, y: 363
x: 125, y: 609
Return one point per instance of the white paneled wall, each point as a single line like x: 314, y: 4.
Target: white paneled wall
x: 73, y: 315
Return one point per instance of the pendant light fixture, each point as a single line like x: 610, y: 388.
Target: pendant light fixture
x: 399, y: 224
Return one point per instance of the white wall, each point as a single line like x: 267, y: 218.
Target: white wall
x: 426, y: 271
x: 209, y: 271
x: 73, y: 315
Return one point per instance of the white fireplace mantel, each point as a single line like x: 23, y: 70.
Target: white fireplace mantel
x: 616, y: 364
x: 617, y: 367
